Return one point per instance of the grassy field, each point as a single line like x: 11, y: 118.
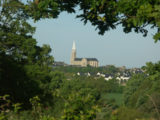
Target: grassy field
x: 118, y: 97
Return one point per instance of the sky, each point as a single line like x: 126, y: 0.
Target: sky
x: 113, y: 48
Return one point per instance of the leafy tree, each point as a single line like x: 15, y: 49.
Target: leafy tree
x: 24, y: 66
x: 132, y: 86
x: 80, y: 106
x: 142, y: 92
x: 105, y: 15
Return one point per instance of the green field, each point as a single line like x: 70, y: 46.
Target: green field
x: 118, y: 97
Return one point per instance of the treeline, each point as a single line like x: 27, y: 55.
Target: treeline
x: 110, y: 69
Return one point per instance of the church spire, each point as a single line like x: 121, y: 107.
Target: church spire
x: 73, y: 55
x: 74, y: 46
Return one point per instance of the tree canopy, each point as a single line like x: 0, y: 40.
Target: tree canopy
x: 24, y: 66
x: 133, y: 15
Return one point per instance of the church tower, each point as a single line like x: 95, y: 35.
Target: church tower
x: 73, y: 54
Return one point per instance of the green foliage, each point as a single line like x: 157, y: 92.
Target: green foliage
x: 38, y: 92
x: 16, y: 107
x: 117, y: 97
x: 81, y: 87
x: 142, y: 92
x: 125, y: 113
x: 25, y: 67
x: 88, y: 98
x: 110, y: 69
x: 131, y: 87
x: 4, y: 106
x: 46, y: 118
x: 80, y: 107
x: 108, y: 103
x: 104, y: 14
x: 35, y: 102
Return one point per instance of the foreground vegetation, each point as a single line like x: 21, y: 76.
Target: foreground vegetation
x: 88, y: 98
x: 31, y: 90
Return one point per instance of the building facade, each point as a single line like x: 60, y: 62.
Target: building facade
x: 82, y: 61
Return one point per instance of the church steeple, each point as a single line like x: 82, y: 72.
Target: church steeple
x: 74, y: 46
x: 73, y: 54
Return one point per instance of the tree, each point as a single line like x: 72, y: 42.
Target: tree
x: 80, y: 106
x: 142, y: 91
x: 24, y: 67
x: 15, y: 33
x: 130, y: 89
x: 104, y: 14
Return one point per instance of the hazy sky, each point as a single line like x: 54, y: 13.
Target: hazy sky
x: 114, y: 47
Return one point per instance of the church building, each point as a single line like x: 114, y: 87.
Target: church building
x: 82, y: 61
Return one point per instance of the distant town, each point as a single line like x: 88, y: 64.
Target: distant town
x: 90, y: 67
x: 108, y: 72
